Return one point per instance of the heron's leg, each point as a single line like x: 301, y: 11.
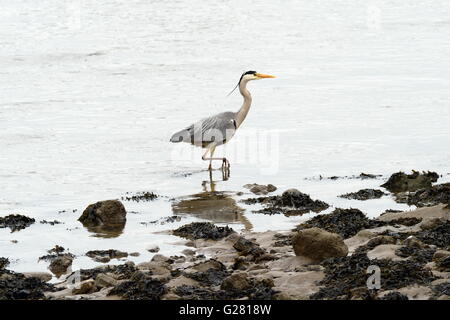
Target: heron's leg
x: 211, y: 158
x: 211, y: 152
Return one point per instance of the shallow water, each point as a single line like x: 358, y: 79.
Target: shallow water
x: 90, y: 93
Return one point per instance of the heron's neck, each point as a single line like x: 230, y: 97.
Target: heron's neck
x: 242, y: 113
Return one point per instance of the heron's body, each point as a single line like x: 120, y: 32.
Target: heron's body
x: 201, y: 133
x: 219, y: 129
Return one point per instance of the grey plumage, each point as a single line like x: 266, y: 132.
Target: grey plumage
x: 217, y: 130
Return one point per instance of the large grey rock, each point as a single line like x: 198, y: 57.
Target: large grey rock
x: 60, y: 264
x: 103, y: 281
x: 236, y: 282
x: 84, y: 287
x: 107, y: 217
x: 104, y: 212
x: 43, y: 276
x: 400, y: 181
x: 318, y: 244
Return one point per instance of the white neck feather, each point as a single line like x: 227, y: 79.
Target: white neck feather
x: 242, y: 113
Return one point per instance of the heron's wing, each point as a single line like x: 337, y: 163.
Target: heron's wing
x: 218, y: 128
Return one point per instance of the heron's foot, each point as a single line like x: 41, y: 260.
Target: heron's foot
x: 210, y: 167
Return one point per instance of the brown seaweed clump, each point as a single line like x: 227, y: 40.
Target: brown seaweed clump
x: 16, y: 222
x: 291, y: 202
x: 141, y: 196
x: 141, y: 286
x: 345, y: 222
x: 438, y: 236
x: 364, y: 194
x: 427, y: 197
x: 203, y: 230
x: 345, y: 277
x: 15, y: 286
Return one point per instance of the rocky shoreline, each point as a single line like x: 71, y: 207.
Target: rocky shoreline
x: 338, y: 255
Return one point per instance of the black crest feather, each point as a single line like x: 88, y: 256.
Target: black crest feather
x: 247, y: 72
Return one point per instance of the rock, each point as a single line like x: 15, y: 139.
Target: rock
x: 442, y: 289
x: 438, y: 236
x: 405, y: 221
x: 298, y: 285
x: 426, y: 197
x: 106, y: 255
x: 60, y: 264
x: 208, y: 273
x: 209, y: 264
x: 15, y: 286
x: 134, y: 254
x: 385, y: 251
x: 181, y: 281
x: 345, y: 222
x: 202, y: 230
x: 260, y: 189
x: 103, y: 281
x: 236, y: 282
x: 160, y: 258
x: 16, y: 222
x: 152, y: 248
x: 425, y: 213
x: 249, y: 248
x: 443, y: 264
x: 441, y: 255
x: 140, y: 287
x: 161, y: 269
x: 412, y: 241
x: 394, y: 295
x: 291, y: 202
x: 442, y: 260
x: 55, y: 253
x: 364, y: 194
x: 56, y: 249
x: 4, y: 262
x: 346, y: 273
x: 301, y: 201
x: 379, y: 240
x: 318, y: 245
x: 43, y: 276
x: 365, y: 233
x: 188, y: 252
x: 109, y: 215
x: 240, y: 263
x: 85, y: 287
x: 431, y: 223
x: 400, y: 181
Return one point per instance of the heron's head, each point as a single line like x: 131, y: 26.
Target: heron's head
x: 253, y: 75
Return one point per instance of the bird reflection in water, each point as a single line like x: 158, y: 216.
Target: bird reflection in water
x: 210, y: 204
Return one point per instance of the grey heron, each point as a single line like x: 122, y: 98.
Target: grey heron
x: 216, y: 130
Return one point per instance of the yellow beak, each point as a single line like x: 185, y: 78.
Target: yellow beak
x: 261, y: 75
